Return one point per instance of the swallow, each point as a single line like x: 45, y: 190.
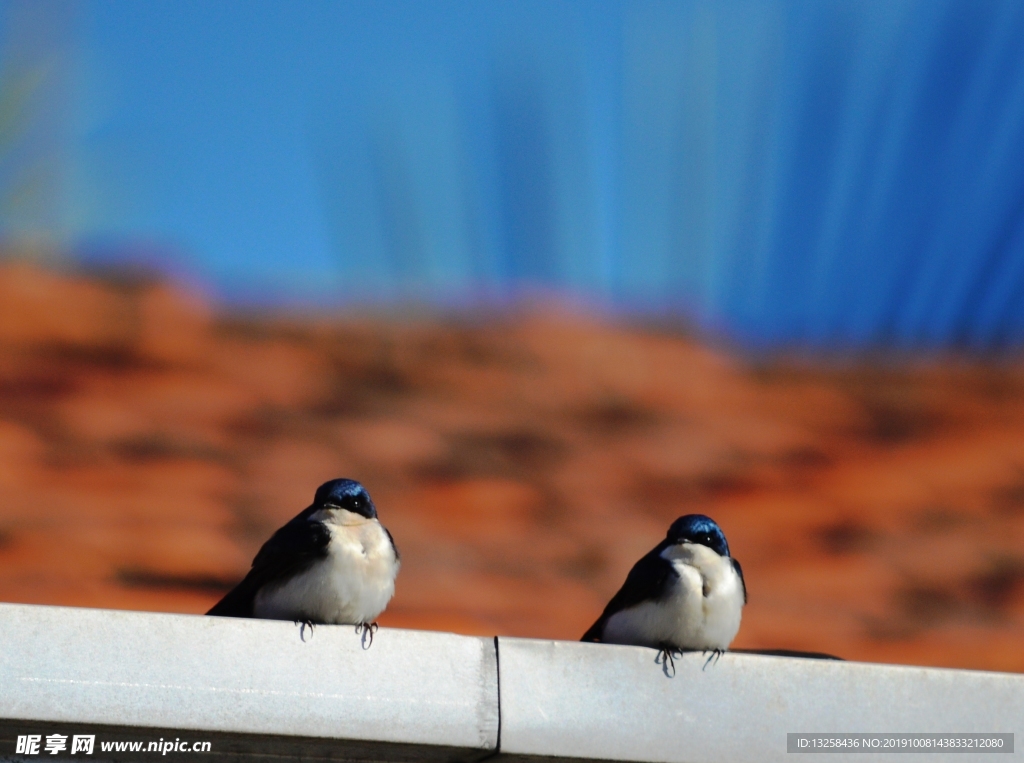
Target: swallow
x: 334, y: 563
x: 685, y: 594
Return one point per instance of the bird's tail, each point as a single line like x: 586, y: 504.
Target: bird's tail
x: 594, y: 632
x: 238, y: 602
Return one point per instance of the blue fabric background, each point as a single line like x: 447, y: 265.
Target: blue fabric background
x: 821, y: 173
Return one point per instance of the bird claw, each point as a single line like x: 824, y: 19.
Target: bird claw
x: 666, y: 658
x: 366, y: 631
x: 303, y: 624
x: 715, y: 655
x: 667, y: 654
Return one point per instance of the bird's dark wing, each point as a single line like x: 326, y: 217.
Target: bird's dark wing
x: 739, y: 571
x: 398, y: 556
x: 290, y: 550
x: 647, y: 581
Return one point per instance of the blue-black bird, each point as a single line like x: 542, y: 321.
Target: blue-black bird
x: 687, y: 593
x: 333, y: 563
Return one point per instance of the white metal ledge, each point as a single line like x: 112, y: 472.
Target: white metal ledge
x: 434, y: 695
x: 256, y: 691
x: 612, y: 702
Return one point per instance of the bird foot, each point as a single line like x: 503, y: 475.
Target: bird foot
x: 715, y: 655
x: 666, y: 658
x: 366, y: 631
x: 303, y: 624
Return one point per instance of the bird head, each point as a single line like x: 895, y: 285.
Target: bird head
x: 697, y: 528
x: 345, y: 494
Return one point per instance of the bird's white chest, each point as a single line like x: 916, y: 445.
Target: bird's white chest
x: 352, y: 584
x: 701, y: 611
